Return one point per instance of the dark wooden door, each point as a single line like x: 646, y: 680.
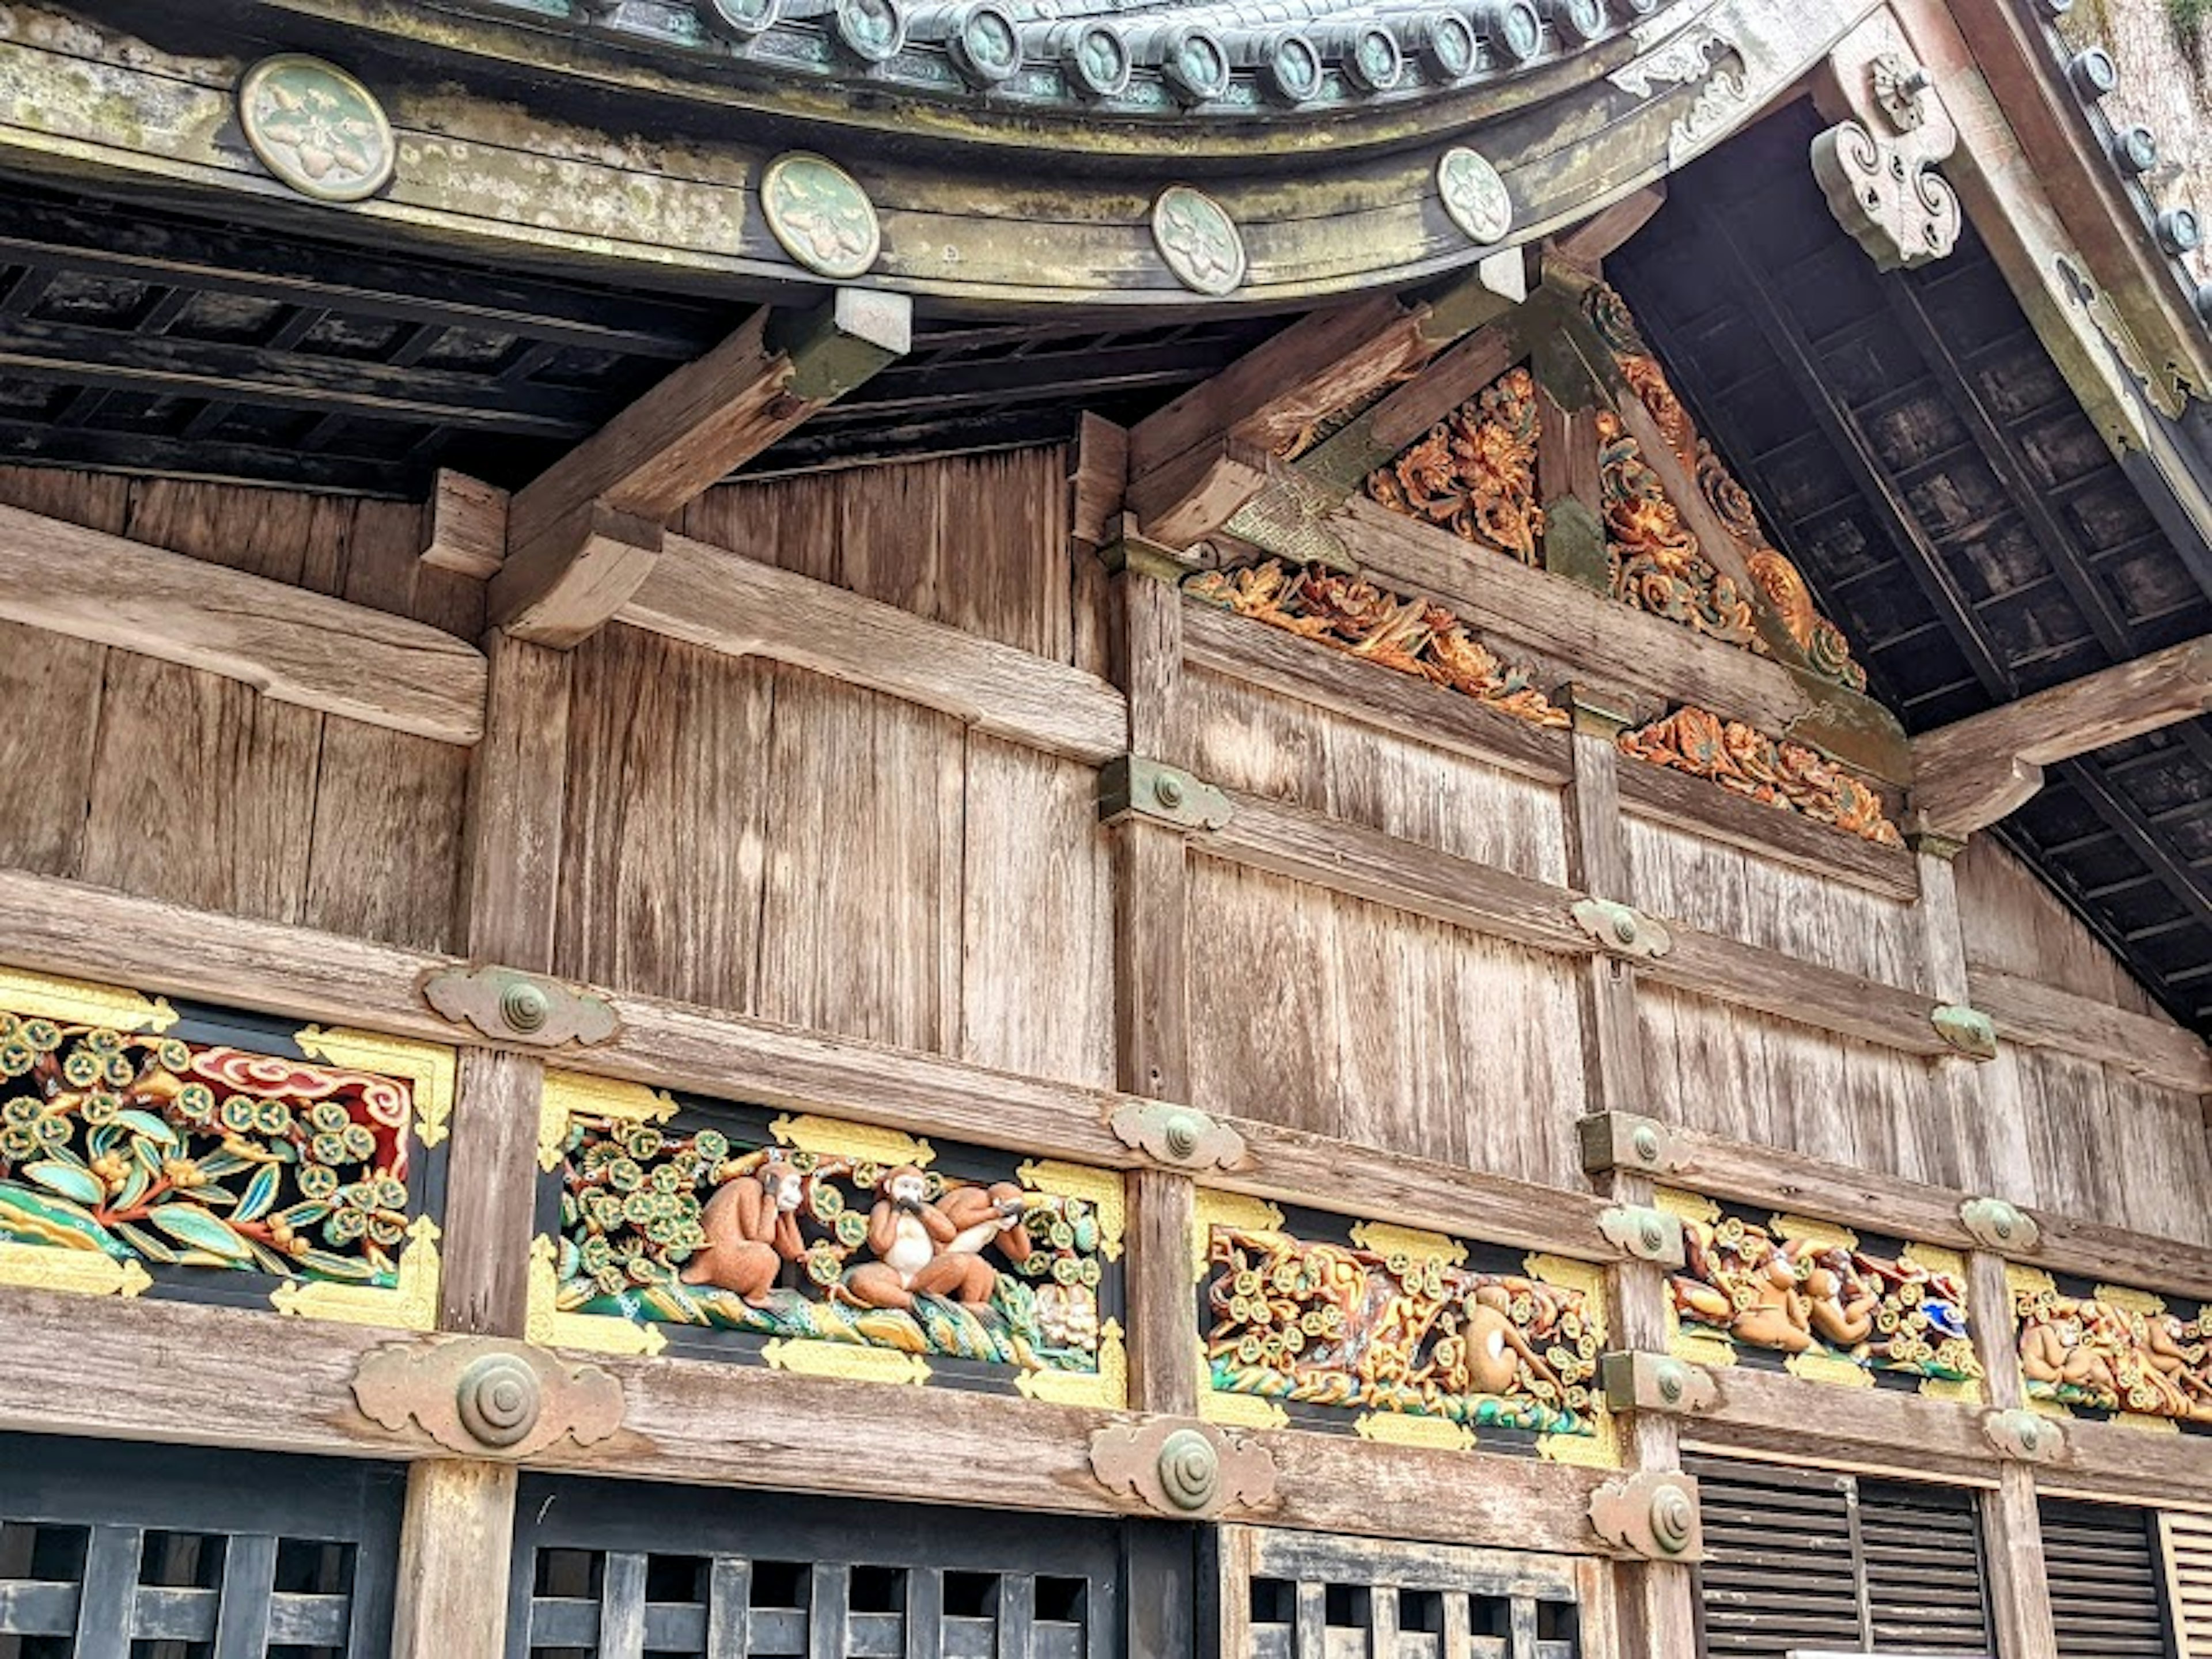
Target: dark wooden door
x: 116, y: 1550
x: 611, y: 1570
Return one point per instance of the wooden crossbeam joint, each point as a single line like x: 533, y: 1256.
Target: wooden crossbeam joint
x: 582, y: 538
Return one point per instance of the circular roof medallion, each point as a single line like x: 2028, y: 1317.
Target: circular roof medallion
x: 986, y: 47
x: 1196, y: 66
x: 874, y: 31
x: 1374, y: 61
x: 316, y: 128
x: 821, y: 218
x: 1293, y: 68
x: 1475, y: 196
x: 1448, y: 44
x: 1198, y: 239
x: 1097, y: 61
x: 739, y: 20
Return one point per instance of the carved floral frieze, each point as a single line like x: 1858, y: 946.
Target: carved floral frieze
x: 1474, y: 474
x: 2105, y: 1349
x: 824, y: 1246
x: 1746, y: 763
x: 1398, y: 1335
x: 1817, y: 1298
x: 1353, y: 615
x: 140, y: 1148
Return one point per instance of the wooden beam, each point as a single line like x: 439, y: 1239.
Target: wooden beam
x: 455, y: 1549
x: 1584, y: 246
x: 466, y: 525
x: 725, y: 602
x: 1886, y: 1431
x: 1973, y: 772
x: 290, y: 645
x: 2038, y: 1016
x: 2012, y: 1521
x: 1192, y: 463
x: 583, y: 536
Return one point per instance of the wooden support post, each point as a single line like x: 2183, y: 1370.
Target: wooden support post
x: 2012, y: 1528
x: 1150, y: 995
x: 1657, y: 1606
x: 455, y: 1544
x: 516, y: 795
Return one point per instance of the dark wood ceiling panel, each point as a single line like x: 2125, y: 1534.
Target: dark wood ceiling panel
x: 1920, y: 455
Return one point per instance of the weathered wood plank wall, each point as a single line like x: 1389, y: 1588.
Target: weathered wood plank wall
x: 178, y: 784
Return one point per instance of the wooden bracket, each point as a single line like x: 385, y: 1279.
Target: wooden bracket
x: 1657, y: 1382
x: 1180, y: 1135
x: 1652, y: 1516
x: 1190, y: 1471
x: 1648, y: 1235
x: 487, y: 1398
x: 2024, y: 1436
x: 1622, y: 1140
x: 468, y: 526
x: 1129, y: 786
x: 1621, y: 930
x: 1967, y: 1029
x: 1996, y: 1223
x: 511, y: 1006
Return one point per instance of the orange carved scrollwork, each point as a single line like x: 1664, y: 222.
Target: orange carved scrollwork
x: 1413, y: 635
x: 1657, y: 565
x: 1746, y: 763
x: 1475, y: 473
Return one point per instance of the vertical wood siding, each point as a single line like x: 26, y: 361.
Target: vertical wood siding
x: 178, y: 784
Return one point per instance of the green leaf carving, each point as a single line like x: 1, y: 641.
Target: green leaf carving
x: 190, y: 1225
x: 67, y: 1180
x: 148, y: 1126
x: 35, y: 1218
x: 260, y: 1193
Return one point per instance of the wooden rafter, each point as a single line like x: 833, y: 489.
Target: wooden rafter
x: 584, y: 536
x: 1192, y: 464
x: 1973, y: 772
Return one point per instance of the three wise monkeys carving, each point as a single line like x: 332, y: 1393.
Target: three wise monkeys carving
x: 922, y: 1246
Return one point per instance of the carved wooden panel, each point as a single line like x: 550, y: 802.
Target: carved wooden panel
x: 2107, y: 1351
x: 820, y: 1247
x: 1819, y: 1300
x: 149, y: 1149
x: 1396, y: 1334
x: 110, y: 1550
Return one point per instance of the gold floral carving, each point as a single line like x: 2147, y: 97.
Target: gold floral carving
x: 1746, y: 763
x: 1656, y: 563
x: 1474, y: 474
x: 1827, y: 653
x: 1351, y: 614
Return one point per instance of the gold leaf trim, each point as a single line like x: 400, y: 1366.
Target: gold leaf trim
x: 828, y: 1137
x: 1601, y: 1450
x: 1687, y: 1206
x: 82, y: 1002
x: 1809, y: 1230
x: 410, y: 1305
x: 79, y: 1272
x: 1242, y: 1410
x: 1101, y: 1188
x: 565, y: 1094
x: 1933, y: 1259
x: 1108, y: 1386
x: 2023, y: 1280
x: 1700, y: 1349
x: 847, y: 1361
x: 2135, y: 1301
x: 1571, y: 1274
x: 2147, y: 1424
x: 1831, y: 1369
x: 1965, y: 1391
x: 1386, y: 1239
x: 1404, y: 1429
x: 1218, y: 1209
x: 550, y: 1327
x: 426, y: 1065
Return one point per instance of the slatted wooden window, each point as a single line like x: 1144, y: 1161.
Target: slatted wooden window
x: 1800, y: 1560
x: 110, y: 1551
x: 2188, y: 1550
x: 2105, y: 1570
x: 1301, y: 1595
x: 607, y: 1571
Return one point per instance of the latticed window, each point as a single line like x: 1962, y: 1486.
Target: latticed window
x: 1306, y: 1596
x: 1803, y: 1561
x: 616, y: 1571
x: 115, y: 1551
